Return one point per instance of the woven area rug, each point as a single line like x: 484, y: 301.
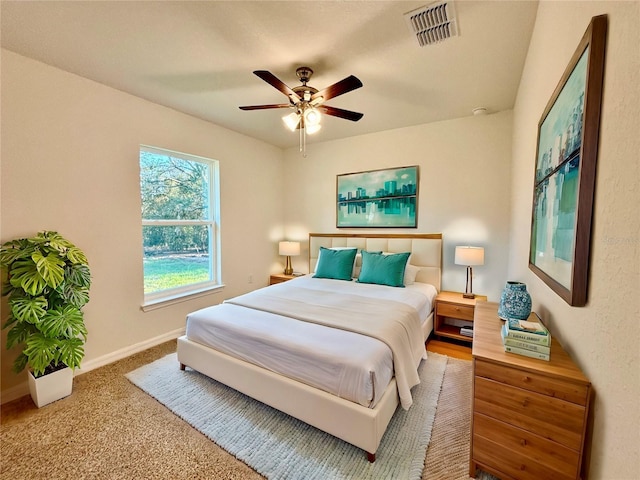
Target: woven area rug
x: 281, y: 447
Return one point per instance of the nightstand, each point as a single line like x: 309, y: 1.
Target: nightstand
x: 279, y: 278
x: 453, y: 305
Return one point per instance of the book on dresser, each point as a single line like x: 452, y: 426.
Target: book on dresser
x: 518, y: 343
x: 531, y: 330
x: 526, y: 337
x: 527, y: 353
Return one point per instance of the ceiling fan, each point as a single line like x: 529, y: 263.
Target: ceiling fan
x: 307, y: 101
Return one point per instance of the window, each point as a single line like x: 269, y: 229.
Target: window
x: 180, y: 224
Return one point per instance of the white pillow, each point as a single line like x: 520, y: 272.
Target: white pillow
x: 410, y: 274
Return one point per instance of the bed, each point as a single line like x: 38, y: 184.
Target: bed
x: 353, y: 397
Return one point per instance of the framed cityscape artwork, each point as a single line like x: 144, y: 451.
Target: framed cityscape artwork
x: 378, y: 198
x: 565, y: 171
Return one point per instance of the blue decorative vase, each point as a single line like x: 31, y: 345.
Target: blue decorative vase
x: 515, y: 301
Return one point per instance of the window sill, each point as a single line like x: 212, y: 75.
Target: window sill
x: 179, y: 298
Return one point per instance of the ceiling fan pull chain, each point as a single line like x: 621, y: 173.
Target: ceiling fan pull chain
x: 303, y: 132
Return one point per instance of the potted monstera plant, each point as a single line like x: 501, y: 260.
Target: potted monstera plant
x: 47, y: 284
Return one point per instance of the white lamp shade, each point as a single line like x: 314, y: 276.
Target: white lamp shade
x: 311, y: 117
x: 291, y: 121
x: 289, y: 248
x: 311, y: 129
x: 469, y: 256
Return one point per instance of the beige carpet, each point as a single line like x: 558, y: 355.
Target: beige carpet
x: 110, y: 429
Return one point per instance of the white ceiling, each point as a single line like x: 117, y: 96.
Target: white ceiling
x: 198, y: 57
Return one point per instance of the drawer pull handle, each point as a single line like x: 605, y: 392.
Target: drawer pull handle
x: 523, y: 442
x: 526, y: 379
x: 525, y: 402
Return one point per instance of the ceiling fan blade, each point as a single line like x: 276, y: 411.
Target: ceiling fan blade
x: 274, y: 81
x: 343, y: 86
x: 264, y: 107
x: 339, y: 112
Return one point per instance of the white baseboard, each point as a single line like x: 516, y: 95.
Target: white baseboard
x: 16, y: 392
x: 22, y: 389
x: 127, y: 351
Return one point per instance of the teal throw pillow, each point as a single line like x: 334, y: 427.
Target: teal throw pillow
x: 335, y: 264
x: 383, y: 269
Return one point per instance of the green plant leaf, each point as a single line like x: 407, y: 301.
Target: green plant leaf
x: 20, y: 363
x: 28, y: 309
x: 71, y: 352
x: 76, y: 256
x: 56, y: 241
x: 76, y: 296
x: 50, y: 267
x: 15, y: 250
x: 19, y: 333
x: 78, y: 275
x: 8, y: 289
x: 10, y: 321
x: 25, y: 275
x: 41, y: 352
x: 66, y: 322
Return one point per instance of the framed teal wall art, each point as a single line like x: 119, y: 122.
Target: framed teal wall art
x: 566, y: 169
x: 378, y: 198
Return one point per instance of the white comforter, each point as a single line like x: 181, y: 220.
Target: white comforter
x: 340, y: 361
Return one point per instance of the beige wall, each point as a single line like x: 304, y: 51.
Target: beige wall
x: 70, y: 163
x: 602, y: 337
x: 463, y: 191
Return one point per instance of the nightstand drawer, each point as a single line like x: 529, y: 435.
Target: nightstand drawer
x: 552, y: 418
x: 462, y: 312
x: 560, y: 459
x: 531, y: 381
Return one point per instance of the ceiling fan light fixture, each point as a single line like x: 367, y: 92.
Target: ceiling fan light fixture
x: 291, y: 121
x: 306, y: 101
x: 311, y: 129
x: 312, y: 117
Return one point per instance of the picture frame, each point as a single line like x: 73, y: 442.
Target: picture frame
x: 385, y: 198
x: 565, y: 171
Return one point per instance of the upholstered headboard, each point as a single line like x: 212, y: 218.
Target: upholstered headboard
x: 425, y: 248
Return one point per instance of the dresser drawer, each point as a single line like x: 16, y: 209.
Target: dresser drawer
x: 549, y: 417
x: 559, y: 461
x: 571, y: 392
x: 462, y: 312
x: 513, y: 464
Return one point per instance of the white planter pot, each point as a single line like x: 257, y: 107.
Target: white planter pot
x: 51, y: 387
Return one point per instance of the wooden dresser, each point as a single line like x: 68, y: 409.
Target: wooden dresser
x: 529, y: 416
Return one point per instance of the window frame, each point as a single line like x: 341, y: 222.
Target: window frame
x: 172, y: 296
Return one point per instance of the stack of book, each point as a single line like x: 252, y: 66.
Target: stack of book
x: 467, y: 331
x: 527, y: 337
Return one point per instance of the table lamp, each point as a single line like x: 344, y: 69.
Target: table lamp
x: 469, y: 256
x: 289, y: 249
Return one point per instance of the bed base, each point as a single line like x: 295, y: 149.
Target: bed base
x: 349, y: 421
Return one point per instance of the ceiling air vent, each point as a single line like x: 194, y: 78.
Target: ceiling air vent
x: 432, y: 23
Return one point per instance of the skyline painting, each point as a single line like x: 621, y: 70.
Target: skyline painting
x: 378, y: 198
x: 565, y: 171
